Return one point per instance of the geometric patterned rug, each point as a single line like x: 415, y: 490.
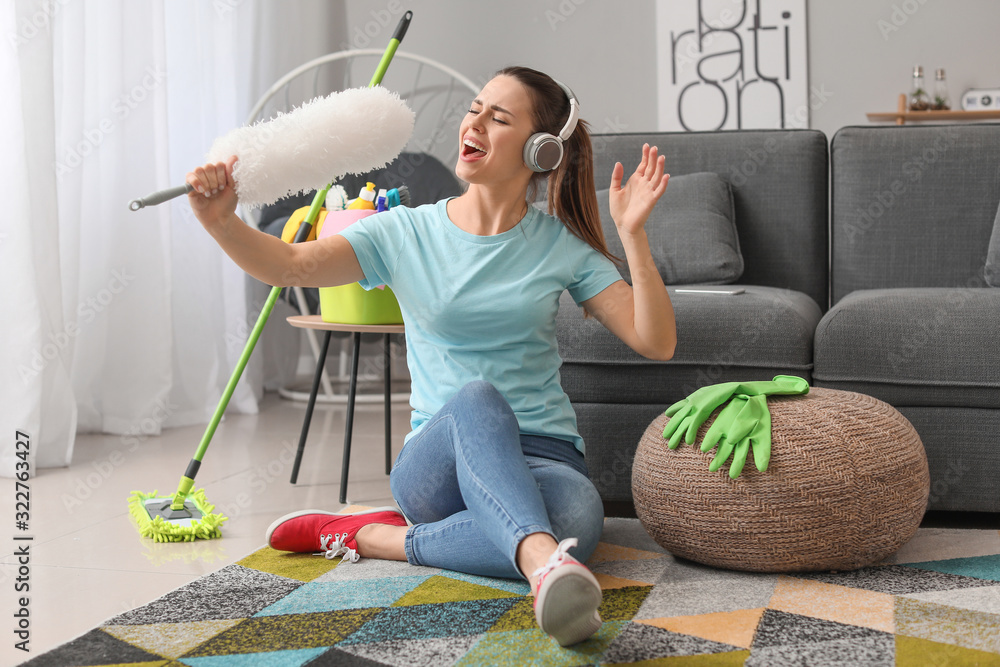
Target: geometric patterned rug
x: 936, y: 602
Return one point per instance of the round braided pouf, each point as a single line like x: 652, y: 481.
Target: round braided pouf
x: 847, y: 486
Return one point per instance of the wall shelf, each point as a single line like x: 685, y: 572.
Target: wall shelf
x: 903, y: 115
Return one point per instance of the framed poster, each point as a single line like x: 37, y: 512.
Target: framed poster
x: 732, y: 64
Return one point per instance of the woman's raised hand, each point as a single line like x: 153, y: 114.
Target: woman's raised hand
x: 213, y: 198
x: 632, y: 204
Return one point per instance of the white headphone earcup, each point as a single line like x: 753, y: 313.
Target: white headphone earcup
x: 543, y: 152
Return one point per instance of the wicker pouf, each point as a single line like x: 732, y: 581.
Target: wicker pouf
x: 847, y: 486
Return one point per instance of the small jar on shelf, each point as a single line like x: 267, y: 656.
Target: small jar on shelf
x: 918, y: 99
x: 940, y: 100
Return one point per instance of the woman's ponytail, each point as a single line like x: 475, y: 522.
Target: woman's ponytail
x: 572, y: 195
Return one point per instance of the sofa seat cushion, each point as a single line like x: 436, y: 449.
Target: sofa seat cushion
x: 756, y: 335
x: 930, y: 346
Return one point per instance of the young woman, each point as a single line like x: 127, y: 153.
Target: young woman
x: 492, y: 476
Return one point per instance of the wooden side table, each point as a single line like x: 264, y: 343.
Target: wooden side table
x: 316, y: 322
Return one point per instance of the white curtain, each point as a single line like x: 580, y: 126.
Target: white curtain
x: 117, y: 321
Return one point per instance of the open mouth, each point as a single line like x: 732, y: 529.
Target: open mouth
x: 472, y: 150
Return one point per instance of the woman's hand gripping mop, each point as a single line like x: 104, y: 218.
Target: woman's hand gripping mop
x: 347, y: 132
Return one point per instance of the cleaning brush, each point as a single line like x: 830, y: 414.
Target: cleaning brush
x: 398, y: 196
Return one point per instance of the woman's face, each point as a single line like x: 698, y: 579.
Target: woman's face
x: 493, y: 134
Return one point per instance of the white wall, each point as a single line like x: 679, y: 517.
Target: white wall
x: 861, y: 52
x: 312, y: 28
x: 605, y: 51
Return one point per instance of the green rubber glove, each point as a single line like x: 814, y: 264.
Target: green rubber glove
x: 733, y: 423
x: 688, y: 414
x: 743, y: 424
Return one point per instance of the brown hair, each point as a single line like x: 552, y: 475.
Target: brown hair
x: 572, y: 196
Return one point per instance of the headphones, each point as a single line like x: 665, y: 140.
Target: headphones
x: 544, y: 151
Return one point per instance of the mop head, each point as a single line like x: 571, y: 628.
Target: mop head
x: 202, y: 524
x: 349, y: 132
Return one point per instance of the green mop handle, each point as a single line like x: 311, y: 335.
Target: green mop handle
x: 390, y: 50
x: 187, y: 481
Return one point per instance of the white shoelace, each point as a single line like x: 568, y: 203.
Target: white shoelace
x: 557, y: 558
x: 335, y: 545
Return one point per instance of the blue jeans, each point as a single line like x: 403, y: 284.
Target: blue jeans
x: 469, y: 484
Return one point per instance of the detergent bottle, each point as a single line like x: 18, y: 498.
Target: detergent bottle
x: 365, y: 200
x: 383, y: 203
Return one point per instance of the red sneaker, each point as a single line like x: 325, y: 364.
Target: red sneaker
x: 568, y: 597
x: 327, y: 532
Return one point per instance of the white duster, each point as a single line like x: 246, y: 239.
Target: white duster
x: 347, y: 132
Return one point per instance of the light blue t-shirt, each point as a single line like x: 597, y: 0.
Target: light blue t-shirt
x: 482, y: 307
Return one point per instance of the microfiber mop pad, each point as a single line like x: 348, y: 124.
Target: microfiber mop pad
x: 200, y: 524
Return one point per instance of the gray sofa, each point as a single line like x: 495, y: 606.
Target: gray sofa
x: 912, y: 322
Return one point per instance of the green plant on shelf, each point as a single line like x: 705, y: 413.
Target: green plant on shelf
x: 919, y: 100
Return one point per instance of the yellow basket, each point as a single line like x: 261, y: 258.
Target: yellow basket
x: 352, y: 304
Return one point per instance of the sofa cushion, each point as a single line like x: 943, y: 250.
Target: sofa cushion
x: 914, y: 346
x: 756, y: 335
x: 912, y: 206
x: 992, y: 271
x: 692, y: 233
